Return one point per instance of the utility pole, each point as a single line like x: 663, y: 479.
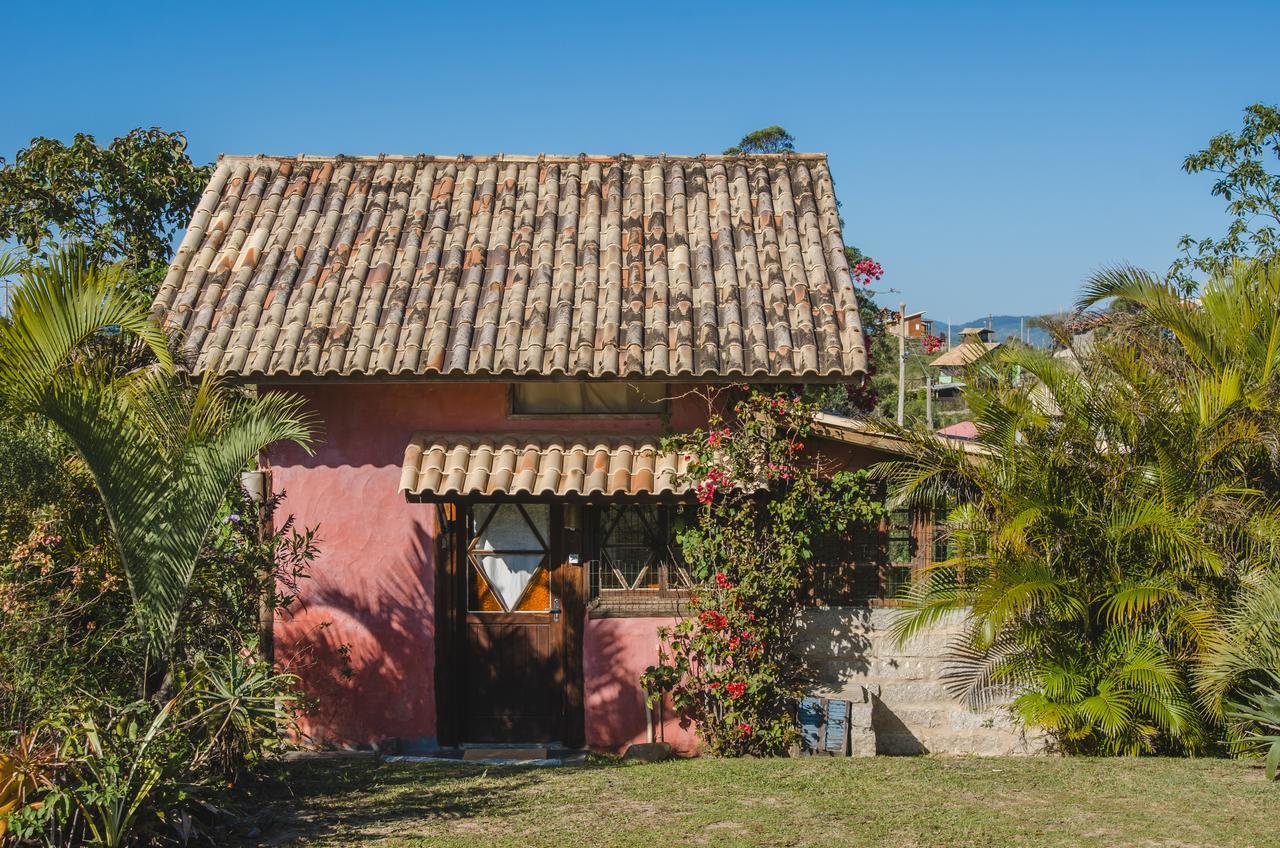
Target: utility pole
x: 902, y: 360
x: 928, y: 398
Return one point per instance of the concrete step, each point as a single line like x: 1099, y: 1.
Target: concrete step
x: 506, y: 753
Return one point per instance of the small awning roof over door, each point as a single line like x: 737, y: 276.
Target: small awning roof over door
x: 457, y: 465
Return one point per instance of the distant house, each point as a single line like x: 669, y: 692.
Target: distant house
x: 975, y: 343
x: 963, y: 430
x: 917, y: 326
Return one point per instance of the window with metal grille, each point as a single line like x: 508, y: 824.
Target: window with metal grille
x: 902, y: 544
x: 637, y: 556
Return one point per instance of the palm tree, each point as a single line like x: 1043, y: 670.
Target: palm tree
x: 1120, y: 498
x: 1232, y: 327
x: 80, y: 351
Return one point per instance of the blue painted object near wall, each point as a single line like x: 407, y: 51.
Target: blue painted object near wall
x: 824, y: 727
x: 811, y: 721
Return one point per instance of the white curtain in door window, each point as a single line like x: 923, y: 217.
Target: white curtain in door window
x: 507, y: 548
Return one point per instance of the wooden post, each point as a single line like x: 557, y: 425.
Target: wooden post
x: 928, y: 397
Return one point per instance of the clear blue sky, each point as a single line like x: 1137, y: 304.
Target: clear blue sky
x: 990, y: 155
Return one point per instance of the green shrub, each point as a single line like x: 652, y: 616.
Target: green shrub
x: 234, y: 711
x: 1259, y: 711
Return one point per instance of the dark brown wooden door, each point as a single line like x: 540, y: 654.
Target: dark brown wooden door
x: 512, y: 672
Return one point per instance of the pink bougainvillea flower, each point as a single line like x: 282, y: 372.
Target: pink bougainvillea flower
x: 867, y: 271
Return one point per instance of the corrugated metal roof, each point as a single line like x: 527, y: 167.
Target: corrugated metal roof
x: 453, y: 465
x: 657, y: 267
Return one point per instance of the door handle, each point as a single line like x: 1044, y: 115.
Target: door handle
x: 555, y: 609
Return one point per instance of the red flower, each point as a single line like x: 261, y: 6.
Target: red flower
x: 722, y: 580
x: 736, y: 690
x: 713, y: 620
x: 744, y: 729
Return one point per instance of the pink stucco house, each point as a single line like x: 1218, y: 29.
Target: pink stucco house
x: 493, y: 347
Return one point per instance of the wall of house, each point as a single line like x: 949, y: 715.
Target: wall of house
x: 616, y: 652
x: 362, y: 637
x: 854, y: 657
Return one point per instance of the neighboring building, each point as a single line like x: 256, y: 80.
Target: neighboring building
x: 493, y: 347
x: 975, y: 343
x: 964, y: 430
x: 917, y: 326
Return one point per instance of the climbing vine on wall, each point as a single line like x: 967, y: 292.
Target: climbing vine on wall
x: 762, y: 497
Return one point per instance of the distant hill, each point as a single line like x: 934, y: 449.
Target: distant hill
x: 1002, y: 326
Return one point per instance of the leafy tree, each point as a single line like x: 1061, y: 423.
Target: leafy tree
x: 1121, y: 498
x: 125, y: 201
x: 162, y: 451
x: 1252, y: 193
x: 772, y: 139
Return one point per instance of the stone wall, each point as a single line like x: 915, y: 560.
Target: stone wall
x: 911, y: 712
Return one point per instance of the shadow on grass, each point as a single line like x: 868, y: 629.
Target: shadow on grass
x: 304, y: 802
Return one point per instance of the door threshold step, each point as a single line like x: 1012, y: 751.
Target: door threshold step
x: 505, y: 752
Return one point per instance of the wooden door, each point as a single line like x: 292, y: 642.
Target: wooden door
x: 512, y: 673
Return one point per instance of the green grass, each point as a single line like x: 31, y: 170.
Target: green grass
x: 884, y: 802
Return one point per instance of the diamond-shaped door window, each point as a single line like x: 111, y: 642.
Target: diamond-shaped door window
x: 509, y: 557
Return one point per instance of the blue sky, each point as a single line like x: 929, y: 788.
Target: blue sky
x: 990, y: 155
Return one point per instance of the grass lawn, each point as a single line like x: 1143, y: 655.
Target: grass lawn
x: 924, y: 801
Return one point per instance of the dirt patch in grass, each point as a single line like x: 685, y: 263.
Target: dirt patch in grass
x: 883, y: 802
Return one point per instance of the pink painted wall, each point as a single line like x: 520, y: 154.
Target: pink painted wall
x: 616, y: 651
x: 362, y: 639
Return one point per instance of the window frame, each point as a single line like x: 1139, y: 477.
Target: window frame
x: 656, y: 415
x: 923, y: 537
x: 670, y: 597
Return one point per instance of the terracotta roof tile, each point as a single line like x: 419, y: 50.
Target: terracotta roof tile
x: 450, y: 465
x: 518, y: 266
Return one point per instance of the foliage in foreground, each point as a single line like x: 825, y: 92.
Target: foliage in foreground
x: 134, y: 774
x: 132, y: 563
x: 729, y: 663
x: 1259, y: 709
x: 80, y: 352
x: 1123, y: 498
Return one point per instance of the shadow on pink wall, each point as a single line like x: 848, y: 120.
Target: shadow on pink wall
x: 616, y: 651
x: 361, y: 640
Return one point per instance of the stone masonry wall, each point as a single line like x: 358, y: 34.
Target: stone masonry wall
x: 911, y: 712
